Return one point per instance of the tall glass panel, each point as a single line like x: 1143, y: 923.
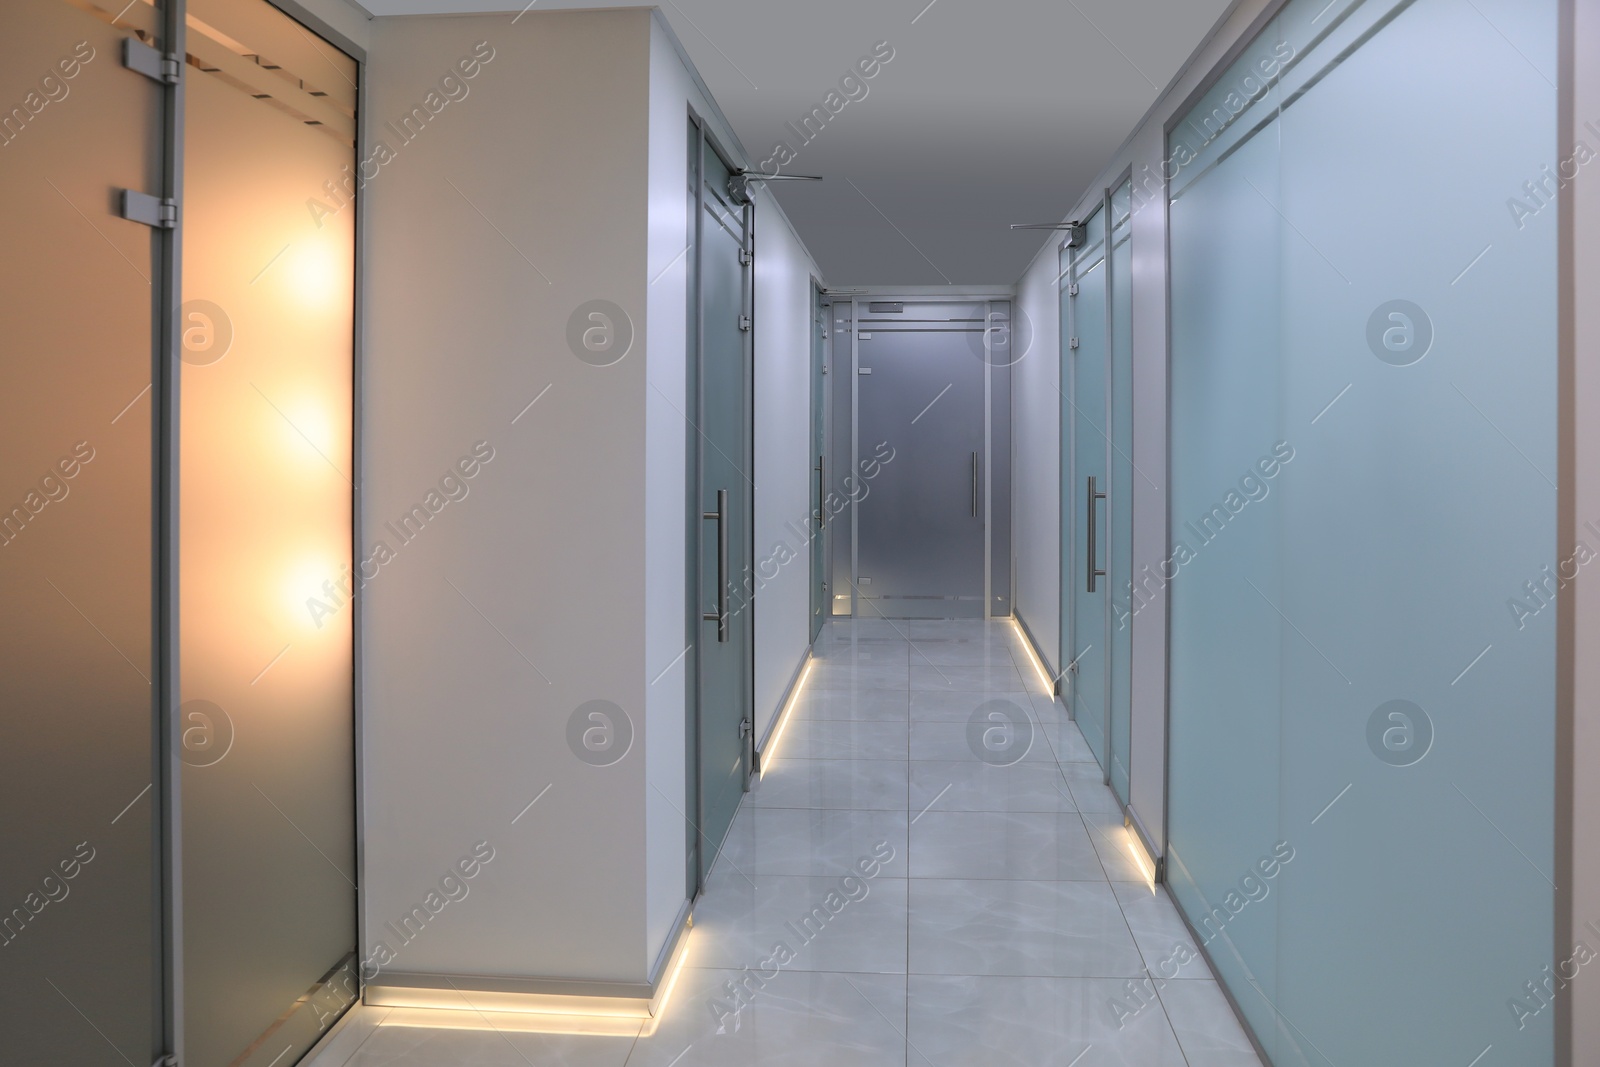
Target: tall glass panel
x: 1084, y: 582
x: 266, y: 584
x: 1363, y: 523
x: 1119, y: 502
x: 725, y: 634
x: 819, y: 450
x: 79, y: 959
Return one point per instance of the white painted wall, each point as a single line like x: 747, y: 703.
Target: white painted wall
x: 1143, y: 153
x: 342, y: 16
x: 783, y: 458
x: 536, y: 593
x: 1036, y: 461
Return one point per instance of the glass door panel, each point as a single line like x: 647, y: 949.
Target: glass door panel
x: 920, y: 387
x: 819, y: 448
x: 1086, y: 489
x: 726, y: 575
x: 78, y: 938
x: 265, y: 565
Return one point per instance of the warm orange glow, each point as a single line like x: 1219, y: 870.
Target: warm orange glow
x: 1044, y: 677
x: 318, y: 273
x: 1135, y: 847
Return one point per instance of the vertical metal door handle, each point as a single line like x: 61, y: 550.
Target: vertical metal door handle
x: 822, y: 494
x: 974, y: 485
x: 720, y: 517
x: 1095, y: 496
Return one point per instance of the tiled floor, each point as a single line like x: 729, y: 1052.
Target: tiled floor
x: 934, y: 908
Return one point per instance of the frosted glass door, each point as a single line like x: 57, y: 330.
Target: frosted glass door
x: 1086, y: 584
x: 77, y: 767
x: 265, y: 567
x: 725, y: 635
x: 1119, y: 492
x: 1364, y: 313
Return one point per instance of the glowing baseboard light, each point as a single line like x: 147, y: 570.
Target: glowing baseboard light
x: 453, y: 1009
x: 1141, y: 859
x: 782, y: 727
x: 1033, y: 657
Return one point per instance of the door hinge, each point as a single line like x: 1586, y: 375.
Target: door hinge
x: 1072, y: 290
x: 158, y: 212
x: 745, y: 257
x: 164, y: 1061
x: 1074, y: 343
x: 746, y: 728
x: 157, y: 66
x: 744, y: 323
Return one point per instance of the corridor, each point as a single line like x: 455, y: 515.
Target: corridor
x: 900, y: 886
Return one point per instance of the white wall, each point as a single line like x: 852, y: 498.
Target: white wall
x: 341, y: 16
x: 515, y: 205
x: 1037, y: 542
x: 783, y: 458
x: 1036, y: 463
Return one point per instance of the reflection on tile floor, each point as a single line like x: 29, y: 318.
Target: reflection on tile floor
x: 943, y: 894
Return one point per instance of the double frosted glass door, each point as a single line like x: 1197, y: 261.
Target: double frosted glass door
x: 1097, y: 466
x: 176, y: 682
x: 1364, y: 387
x: 725, y: 573
x: 78, y: 651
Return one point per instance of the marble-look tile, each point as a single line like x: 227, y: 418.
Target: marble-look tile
x: 1207, y: 1028
x: 878, y: 785
x: 970, y: 678
x: 957, y: 705
x: 1159, y: 931
x: 989, y: 1021
x: 843, y: 922
x: 994, y: 926
x: 1036, y: 845
x: 857, y: 676
x: 855, y: 704
x: 972, y: 785
x: 844, y: 739
x: 788, y: 1019
x: 949, y: 653
x: 1011, y: 738
x: 490, y: 1046
x: 809, y: 840
x: 861, y: 653
x: 1088, y: 784
x: 969, y: 630
x: 846, y: 629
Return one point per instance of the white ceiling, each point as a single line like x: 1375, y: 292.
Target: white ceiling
x: 988, y: 114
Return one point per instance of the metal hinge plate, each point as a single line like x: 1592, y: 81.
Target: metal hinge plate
x: 745, y: 257
x: 1072, y: 290
x: 154, y: 211
x: 157, y: 66
x: 1074, y: 343
x: 746, y: 728
x: 744, y: 322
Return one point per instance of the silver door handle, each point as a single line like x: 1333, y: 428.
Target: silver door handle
x: 1095, y: 496
x: 822, y: 494
x: 974, y: 485
x: 720, y: 517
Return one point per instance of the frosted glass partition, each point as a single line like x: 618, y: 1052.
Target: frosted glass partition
x: 78, y: 937
x: 1119, y: 491
x: 1363, y: 318
x: 266, y: 587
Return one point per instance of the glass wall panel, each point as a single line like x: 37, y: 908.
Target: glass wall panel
x: 265, y: 566
x: 1363, y: 238
x: 79, y: 959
